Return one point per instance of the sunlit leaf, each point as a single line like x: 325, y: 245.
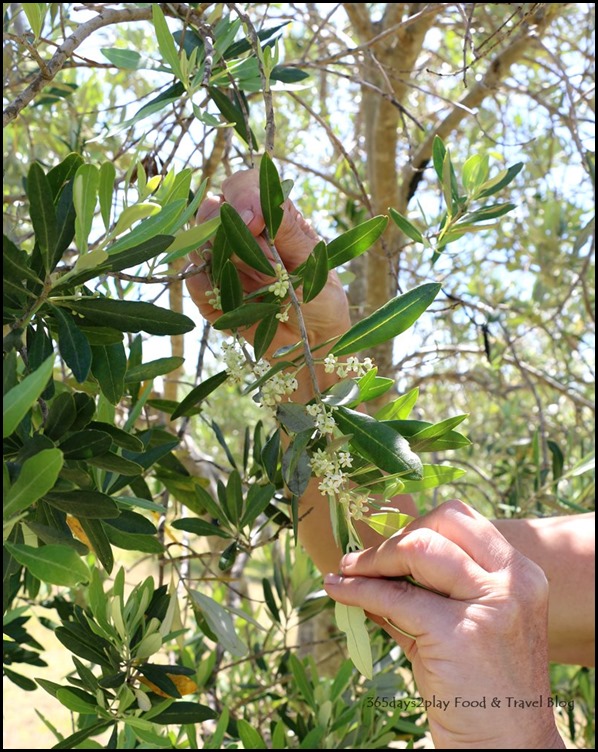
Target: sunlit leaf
x: 387, y: 322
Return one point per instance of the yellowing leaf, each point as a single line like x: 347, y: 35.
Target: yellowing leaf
x: 184, y: 684
x: 388, y: 521
x: 77, y: 531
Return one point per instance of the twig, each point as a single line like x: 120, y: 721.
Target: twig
x: 168, y: 279
x: 265, y: 79
x: 309, y: 361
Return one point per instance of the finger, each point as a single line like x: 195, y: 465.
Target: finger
x: 425, y: 555
x: 470, y: 530
x: 412, y: 609
x: 209, y: 208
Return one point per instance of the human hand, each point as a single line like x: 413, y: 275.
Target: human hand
x: 480, y: 637
x: 325, y: 317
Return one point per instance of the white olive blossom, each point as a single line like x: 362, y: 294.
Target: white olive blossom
x: 280, y: 288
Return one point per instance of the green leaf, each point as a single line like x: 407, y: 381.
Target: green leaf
x: 245, y: 245
x: 133, y: 542
x: 119, y: 437
x: 85, y: 194
x: 21, y: 681
x: 250, y: 737
x: 410, y: 428
x: 35, y: 13
x: 438, y: 154
x: 258, y: 498
x: 231, y: 289
x: 84, y: 504
x: 296, y: 469
x: 245, y: 315
x: 106, y: 190
x: 132, y: 316
x: 37, y: 476
x: 433, y: 476
x: 233, y: 114
x: 351, y: 621
x: 72, y: 741
x: 109, y: 365
x: 439, y: 429
x: 294, y: 417
x: 501, y: 181
x: 85, y: 444
x: 95, y: 531
x: 114, y: 463
x: 19, y: 399
x: 199, y: 527
x: 184, y: 712
x: 60, y: 175
x: 147, y: 371
x: 43, y: 214
x: 406, y: 226
x: 288, y: 74
x: 158, y: 676
x: 234, y: 497
x: 164, y: 222
x: 55, y: 564
x: 61, y: 416
x: 388, y: 321
x: 387, y: 522
x: 166, y: 44
x: 137, y: 255
x: 221, y: 623
x: 475, y: 172
x: 271, y: 196
x: 264, y: 334
x: 191, y: 239
x: 77, y: 701
x: 127, y: 59
x: 372, y: 386
x: 199, y: 393
x: 356, y: 241
x: 133, y: 214
x: 303, y: 683
x: 73, y: 345
x: 400, y: 408
x: 485, y: 213
x: 378, y: 443
x: 315, y: 274
x: 16, y: 264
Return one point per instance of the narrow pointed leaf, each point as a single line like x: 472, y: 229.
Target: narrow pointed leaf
x: 494, y: 185
x: 165, y: 222
x: 406, y: 226
x: 153, y: 369
x: 356, y: 241
x: 43, y: 214
x: 98, y: 539
x: 245, y: 315
x: 61, y: 416
x: 433, y: 476
x: 199, y: 393
x: 271, y: 196
x: 132, y: 316
x: 315, y: 275
x: 73, y: 741
x: 264, y: 334
x: 221, y: 623
x: 55, y: 564
x: 73, y: 345
x: 387, y: 322
x: 198, y: 526
x: 37, y: 476
x: 387, y: 522
x: 351, y: 621
x: 244, y: 244
x: 191, y: 239
x: 85, y: 194
x: 106, y: 190
x: 378, y: 443
x: 85, y: 444
x: 184, y: 712
x: 108, y: 365
x: 221, y: 252
x: 166, y: 43
x: 400, y: 408
x: 438, y: 154
x: 232, y: 114
x: 231, y: 289
x: 91, y: 505
x: 19, y: 399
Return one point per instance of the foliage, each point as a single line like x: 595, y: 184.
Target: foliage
x: 92, y: 462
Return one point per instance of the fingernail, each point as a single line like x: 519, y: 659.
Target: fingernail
x: 332, y: 579
x: 348, y: 560
x: 247, y: 215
